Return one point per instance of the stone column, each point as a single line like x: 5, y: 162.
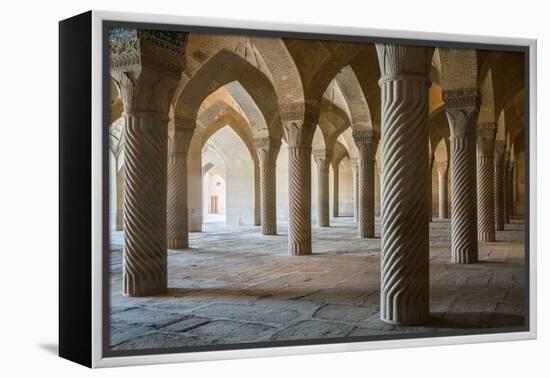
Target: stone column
x: 144, y: 209
x: 499, y: 185
x: 510, y: 185
x: 366, y: 142
x: 322, y: 159
x: 177, y: 213
x: 268, y: 150
x: 355, y: 168
x: 257, y: 193
x: 146, y: 85
x: 299, y: 136
x: 442, y: 168
x: 431, y: 159
x: 335, y: 189
x: 486, y: 182
x: 507, y: 186
x: 404, y: 287
x: 462, y: 108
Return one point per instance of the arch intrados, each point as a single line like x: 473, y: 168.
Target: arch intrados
x: 224, y: 68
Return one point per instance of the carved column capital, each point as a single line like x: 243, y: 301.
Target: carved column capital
x: 486, y: 133
x: 402, y: 62
x: 322, y: 159
x: 299, y: 123
x: 367, y: 142
x: 462, y: 107
x: 267, y: 149
x: 180, y: 132
x: 146, y: 66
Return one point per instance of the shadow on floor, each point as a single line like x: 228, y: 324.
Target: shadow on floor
x: 51, y: 348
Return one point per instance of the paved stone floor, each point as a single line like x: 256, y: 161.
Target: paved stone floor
x: 235, y: 286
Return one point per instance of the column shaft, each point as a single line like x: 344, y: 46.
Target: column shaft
x: 442, y: 190
x: 144, y: 254
x: 299, y: 200
x: 177, y: 205
x: 499, y: 185
x: 367, y: 142
x: 335, y: 190
x: 404, y: 287
x: 355, y: 167
x: 485, y: 182
x: 462, y: 110
x: 322, y: 159
x: 268, y: 150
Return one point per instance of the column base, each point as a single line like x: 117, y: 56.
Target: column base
x: 178, y: 243
x: 488, y: 236
x: 269, y: 231
x: 299, y: 249
x: 144, y: 289
x: 463, y: 257
x: 365, y: 234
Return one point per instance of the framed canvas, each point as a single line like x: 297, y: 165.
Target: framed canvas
x: 232, y: 189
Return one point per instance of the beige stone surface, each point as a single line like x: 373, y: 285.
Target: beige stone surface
x: 235, y: 285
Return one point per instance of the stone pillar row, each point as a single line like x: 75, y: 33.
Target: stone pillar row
x: 462, y: 107
x: 322, y: 159
x: 485, y: 182
x: 404, y: 286
x: 367, y: 142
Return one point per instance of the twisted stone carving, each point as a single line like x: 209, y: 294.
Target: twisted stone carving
x: 299, y: 137
x: 367, y: 142
x: 335, y: 189
x: 299, y: 198
x: 267, y: 150
x: 431, y: 158
x: 322, y: 159
x: 355, y: 168
x: 145, y: 65
x: 177, y: 211
x: 507, y: 186
x: 144, y: 264
x: 404, y: 288
x: 510, y: 191
x: 485, y: 182
x: 499, y: 185
x: 462, y: 115
x: 442, y: 169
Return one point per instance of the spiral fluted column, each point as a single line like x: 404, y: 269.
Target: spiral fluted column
x: 335, y: 189
x: 510, y: 186
x: 366, y: 142
x: 299, y: 126
x: 507, y: 186
x: 177, y: 212
x: 268, y: 150
x: 404, y: 287
x: 462, y: 107
x: 431, y: 159
x: 322, y: 159
x: 442, y: 169
x: 355, y: 168
x: 499, y: 185
x: 146, y: 85
x: 485, y: 182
